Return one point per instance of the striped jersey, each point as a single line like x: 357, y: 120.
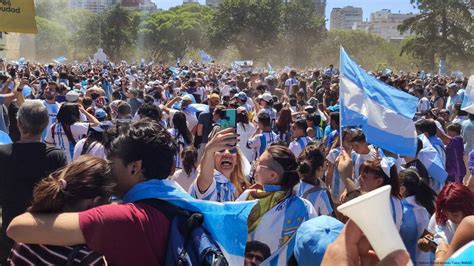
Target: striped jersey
x: 317, y: 196
x: 261, y: 141
x: 29, y: 254
x: 415, y: 220
x: 297, y: 146
x: 53, y: 109
x: 337, y: 186
x: 397, y: 211
x: 58, y: 137
x: 220, y: 190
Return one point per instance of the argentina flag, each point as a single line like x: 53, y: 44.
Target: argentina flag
x: 226, y: 222
x: 468, y: 101
x: 384, y: 113
x: 430, y: 158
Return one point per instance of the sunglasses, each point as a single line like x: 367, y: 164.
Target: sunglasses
x: 231, y: 151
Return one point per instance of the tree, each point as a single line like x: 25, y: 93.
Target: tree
x: 442, y: 29
x: 252, y: 26
x: 115, y: 28
x: 301, y: 29
x: 369, y: 50
x: 50, y: 40
x: 170, y: 34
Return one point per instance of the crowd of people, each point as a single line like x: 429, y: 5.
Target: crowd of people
x: 77, y: 140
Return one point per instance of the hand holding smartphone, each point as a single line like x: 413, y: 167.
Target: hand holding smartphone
x: 228, y: 119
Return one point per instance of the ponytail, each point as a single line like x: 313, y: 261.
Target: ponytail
x: 286, y: 159
x: 48, y: 196
x: 189, y: 158
x: 419, y: 187
x: 87, y: 177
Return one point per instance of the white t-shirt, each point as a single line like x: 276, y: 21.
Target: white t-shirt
x: 95, y: 149
x: 183, y: 179
x: 245, y: 135
x: 60, y: 140
x: 191, y: 119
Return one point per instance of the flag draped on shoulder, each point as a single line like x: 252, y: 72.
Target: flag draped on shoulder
x: 226, y: 222
x: 430, y: 158
x: 468, y: 101
x: 384, y: 113
x: 18, y: 16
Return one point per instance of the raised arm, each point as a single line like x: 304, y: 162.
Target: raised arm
x: 225, y: 139
x: 50, y: 229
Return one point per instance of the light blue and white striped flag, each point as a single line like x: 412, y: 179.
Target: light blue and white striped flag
x: 226, y: 222
x: 430, y: 158
x: 468, y: 101
x: 384, y: 113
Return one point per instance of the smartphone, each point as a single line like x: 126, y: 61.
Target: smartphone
x: 228, y: 119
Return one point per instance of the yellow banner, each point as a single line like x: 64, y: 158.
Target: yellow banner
x: 17, y: 16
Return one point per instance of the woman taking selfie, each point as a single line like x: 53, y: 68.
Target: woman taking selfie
x: 83, y: 184
x: 221, y: 175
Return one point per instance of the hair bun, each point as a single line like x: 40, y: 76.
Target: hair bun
x: 304, y: 168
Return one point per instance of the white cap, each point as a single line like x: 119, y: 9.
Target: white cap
x: 267, y: 97
x: 72, y: 96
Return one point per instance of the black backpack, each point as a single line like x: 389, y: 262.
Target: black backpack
x: 189, y: 243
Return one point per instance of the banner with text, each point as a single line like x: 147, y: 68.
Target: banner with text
x: 17, y: 16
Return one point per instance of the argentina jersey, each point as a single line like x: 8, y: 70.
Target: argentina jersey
x: 317, y: 196
x: 415, y: 220
x: 220, y: 190
x: 397, y: 211
x: 297, y: 146
x: 337, y: 186
x: 53, y: 109
x: 261, y: 141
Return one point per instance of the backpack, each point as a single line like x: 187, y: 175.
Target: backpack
x: 189, y: 243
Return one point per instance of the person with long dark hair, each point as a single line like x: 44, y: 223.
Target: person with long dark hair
x: 93, y: 144
x: 283, y: 125
x: 186, y: 176
x: 181, y: 134
x: 311, y: 186
x: 67, y: 131
x: 418, y: 206
x: 245, y: 130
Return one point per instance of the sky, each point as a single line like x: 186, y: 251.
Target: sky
x: 368, y: 6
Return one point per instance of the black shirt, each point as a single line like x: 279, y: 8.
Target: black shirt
x: 22, y: 165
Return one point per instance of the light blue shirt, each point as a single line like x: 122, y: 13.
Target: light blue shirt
x: 4, y: 138
x: 220, y: 190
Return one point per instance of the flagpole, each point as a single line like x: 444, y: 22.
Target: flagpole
x: 340, y: 98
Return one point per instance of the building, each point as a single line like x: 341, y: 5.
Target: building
x: 189, y: 1
x: 213, y: 3
x: 319, y: 5
x: 95, y: 6
x: 345, y: 18
x: 385, y: 24
x: 139, y: 5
